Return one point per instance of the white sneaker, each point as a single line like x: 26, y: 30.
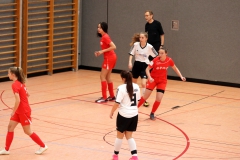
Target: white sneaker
x: 41, y: 150
x: 4, y: 152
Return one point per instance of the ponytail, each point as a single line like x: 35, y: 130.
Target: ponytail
x: 135, y: 38
x: 18, y: 73
x: 128, y: 80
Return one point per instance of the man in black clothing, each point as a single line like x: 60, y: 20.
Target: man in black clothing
x: 154, y: 30
x: 155, y: 35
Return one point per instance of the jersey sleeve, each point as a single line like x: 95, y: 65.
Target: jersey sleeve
x: 15, y: 88
x: 160, y: 29
x: 106, y: 39
x: 119, y: 96
x: 132, y: 49
x: 153, y: 52
x: 171, y: 62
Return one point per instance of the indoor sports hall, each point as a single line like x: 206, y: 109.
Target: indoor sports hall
x: 54, y: 41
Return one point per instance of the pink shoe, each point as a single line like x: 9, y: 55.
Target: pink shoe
x: 115, y: 157
x: 134, y: 158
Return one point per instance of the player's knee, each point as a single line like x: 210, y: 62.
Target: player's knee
x: 10, y: 128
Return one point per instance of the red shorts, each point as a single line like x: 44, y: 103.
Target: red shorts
x: 24, y: 119
x: 159, y: 84
x: 109, y: 63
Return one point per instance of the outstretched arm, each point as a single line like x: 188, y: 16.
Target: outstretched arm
x: 178, y: 72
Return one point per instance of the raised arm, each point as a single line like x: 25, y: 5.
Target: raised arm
x: 176, y: 70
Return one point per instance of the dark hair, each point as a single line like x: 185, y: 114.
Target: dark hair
x: 18, y: 73
x: 104, y: 27
x: 128, y: 80
x: 165, y: 50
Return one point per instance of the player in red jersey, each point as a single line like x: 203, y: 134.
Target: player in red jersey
x: 109, y: 62
x: 21, y: 112
x: 158, y: 78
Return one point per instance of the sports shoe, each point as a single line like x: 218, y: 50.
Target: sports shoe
x: 145, y: 104
x: 152, y: 117
x: 115, y: 157
x: 4, y: 152
x: 41, y: 150
x: 134, y: 158
x: 101, y: 100
x: 111, y: 98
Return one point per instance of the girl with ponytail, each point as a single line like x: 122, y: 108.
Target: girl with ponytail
x: 21, y: 112
x: 141, y: 50
x: 127, y: 97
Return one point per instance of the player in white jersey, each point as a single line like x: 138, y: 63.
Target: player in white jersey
x: 141, y: 50
x: 127, y: 97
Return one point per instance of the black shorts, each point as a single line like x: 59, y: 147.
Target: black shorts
x: 139, y: 69
x: 126, y: 124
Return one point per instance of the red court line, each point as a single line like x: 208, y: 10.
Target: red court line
x: 185, y: 135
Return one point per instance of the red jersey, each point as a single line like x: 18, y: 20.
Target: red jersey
x: 105, y: 43
x: 20, y: 88
x: 159, y: 68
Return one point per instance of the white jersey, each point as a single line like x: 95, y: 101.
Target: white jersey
x: 128, y: 107
x: 141, y: 54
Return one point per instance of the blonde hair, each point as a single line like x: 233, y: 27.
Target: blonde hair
x: 136, y: 37
x: 18, y: 71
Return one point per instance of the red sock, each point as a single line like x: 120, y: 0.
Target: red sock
x: 155, y: 106
x: 37, y: 140
x: 110, y: 89
x: 104, y: 89
x: 141, y: 101
x: 9, y: 139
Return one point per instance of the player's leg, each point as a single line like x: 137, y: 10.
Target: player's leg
x: 103, y: 76
x: 159, y: 95
x: 136, y: 71
x: 128, y: 134
x: 143, y: 84
x: 121, y: 127
x: 9, y: 137
x: 110, y: 86
x: 27, y: 130
x: 157, y: 103
x: 147, y: 93
x: 26, y: 121
x: 111, y: 65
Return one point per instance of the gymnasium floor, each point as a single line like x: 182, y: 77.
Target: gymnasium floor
x: 65, y: 116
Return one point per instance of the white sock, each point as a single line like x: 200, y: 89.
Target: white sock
x: 117, y: 145
x: 132, y: 146
x: 143, y: 91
